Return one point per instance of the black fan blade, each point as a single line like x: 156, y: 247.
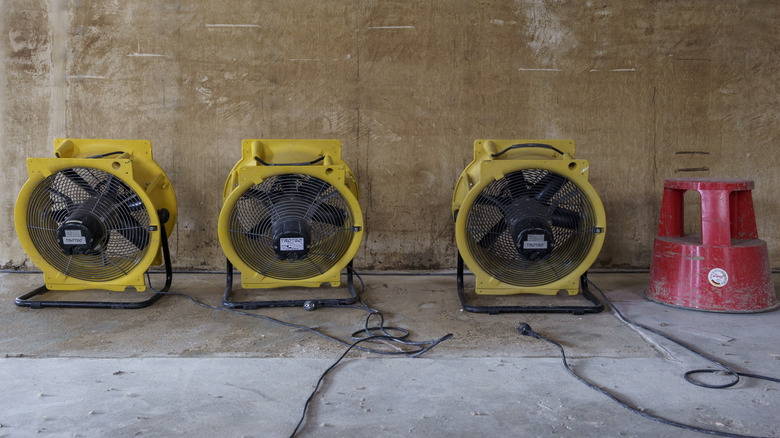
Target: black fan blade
x: 491, y: 237
x: 564, y: 218
x: 260, y: 195
x: 285, y: 185
x: 131, y: 202
x: 516, y: 184
x: 263, y: 223
x: 123, y: 205
x: 133, y: 231
x: 59, y: 215
x: 77, y: 179
x: 69, y: 204
x: 112, y: 188
x: 264, y: 198
x: 496, y: 201
x: 550, y: 185
x: 329, y: 214
x: 109, y: 198
x: 256, y: 232
x: 311, y: 188
x: 255, y: 194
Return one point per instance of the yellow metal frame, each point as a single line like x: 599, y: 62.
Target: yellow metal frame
x: 135, y: 167
x: 486, y: 169
x: 248, y: 172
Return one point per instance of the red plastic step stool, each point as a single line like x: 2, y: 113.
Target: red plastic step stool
x: 726, y: 268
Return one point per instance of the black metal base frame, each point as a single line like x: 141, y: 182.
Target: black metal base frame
x: 25, y: 301
x: 307, y: 304
x: 597, y: 306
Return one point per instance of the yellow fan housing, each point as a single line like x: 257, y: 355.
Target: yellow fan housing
x: 88, y: 218
x: 290, y: 215
x: 526, y: 218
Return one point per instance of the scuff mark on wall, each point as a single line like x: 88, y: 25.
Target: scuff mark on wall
x: 227, y: 26
x: 58, y: 22
x: 692, y: 169
x: 547, y: 36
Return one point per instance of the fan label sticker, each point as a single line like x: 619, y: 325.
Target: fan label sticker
x: 74, y: 237
x: 291, y: 243
x: 535, y: 241
x: 718, y: 277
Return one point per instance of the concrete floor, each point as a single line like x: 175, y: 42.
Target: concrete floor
x: 176, y: 369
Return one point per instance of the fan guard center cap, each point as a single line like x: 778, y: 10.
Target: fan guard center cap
x: 81, y: 234
x: 533, y: 238
x: 291, y: 238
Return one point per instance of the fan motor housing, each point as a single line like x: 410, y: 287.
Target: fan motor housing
x: 291, y: 238
x: 82, y: 235
x: 529, y: 221
x: 533, y: 238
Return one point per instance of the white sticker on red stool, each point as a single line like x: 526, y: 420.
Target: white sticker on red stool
x: 718, y: 277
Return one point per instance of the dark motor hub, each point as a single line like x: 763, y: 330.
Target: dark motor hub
x: 533, y: 238
x: 81, y: 233
x: 291, y: 238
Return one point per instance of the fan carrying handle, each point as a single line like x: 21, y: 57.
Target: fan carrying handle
x: 527, y: 145
x: 122, y: 155
x: 306, y: 163
x: 66, y: 149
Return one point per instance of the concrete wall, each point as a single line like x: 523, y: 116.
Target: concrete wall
x: 648, y: 90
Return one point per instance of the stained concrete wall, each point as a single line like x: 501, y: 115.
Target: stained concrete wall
x: 648, y: 90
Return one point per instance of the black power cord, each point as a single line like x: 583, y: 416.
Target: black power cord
x: 388, y: 335
x: 526, y: 330
x: 688, y: 374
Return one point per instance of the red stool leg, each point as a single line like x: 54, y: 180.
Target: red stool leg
x: 672, y: 220
x: 743, y: 217
x: 715, y: 218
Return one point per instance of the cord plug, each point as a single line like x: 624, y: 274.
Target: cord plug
x: 525, y: 329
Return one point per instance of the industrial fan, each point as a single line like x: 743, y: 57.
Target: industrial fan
x: 95, y: 217
x: 527, y: 221
x: 290, y: 217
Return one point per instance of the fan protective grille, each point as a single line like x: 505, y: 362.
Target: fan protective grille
x: 104, y: 196
x: 530, y: 195
x: 284, y: 197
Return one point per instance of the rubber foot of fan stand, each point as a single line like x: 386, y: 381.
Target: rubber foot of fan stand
x: 309, y: 306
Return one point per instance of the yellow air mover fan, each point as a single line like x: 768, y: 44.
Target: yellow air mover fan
x: 527, y: 221
x: 95, y: 217
x: 290, y: 218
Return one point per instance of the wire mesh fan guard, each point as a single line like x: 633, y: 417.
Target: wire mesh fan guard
x: 530, y: 193
x: 104, y: 196
x: 291, y: 196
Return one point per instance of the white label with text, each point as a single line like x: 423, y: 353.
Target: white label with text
x: 74, y: 237
x: 535, y: 241
x: 291, y: 243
